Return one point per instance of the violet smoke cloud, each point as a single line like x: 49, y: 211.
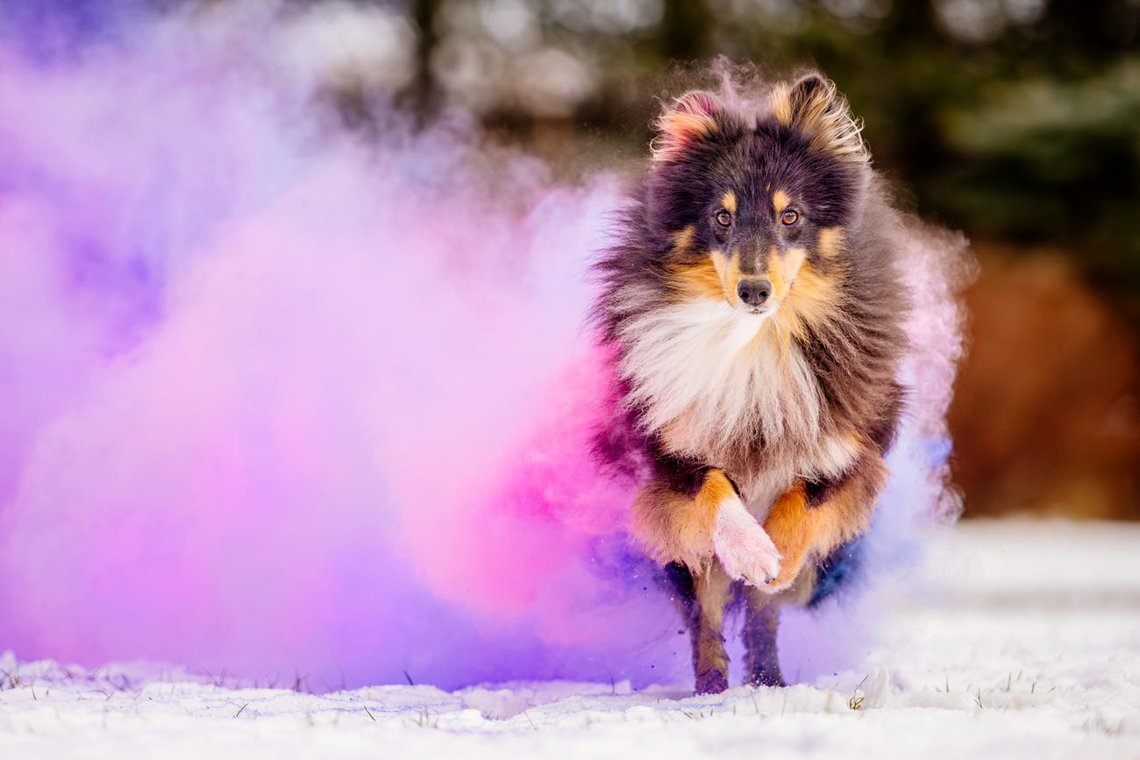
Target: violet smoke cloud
x: 279, y: 399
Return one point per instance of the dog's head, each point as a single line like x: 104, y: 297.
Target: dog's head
x: 752, y: 206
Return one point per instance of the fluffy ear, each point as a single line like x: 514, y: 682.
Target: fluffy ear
x: 814, y: 106
x: 691, y: 118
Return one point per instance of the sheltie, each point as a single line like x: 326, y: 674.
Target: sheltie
x: 755, y: 306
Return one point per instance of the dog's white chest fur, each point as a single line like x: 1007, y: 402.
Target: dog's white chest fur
x: 708, y: 377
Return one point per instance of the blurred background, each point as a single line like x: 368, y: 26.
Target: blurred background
x: 1015, y: 121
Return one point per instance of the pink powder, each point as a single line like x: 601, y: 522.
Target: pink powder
x: 279, y: 403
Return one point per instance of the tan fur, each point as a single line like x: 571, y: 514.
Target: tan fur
x: 689, y: 119
x: 711, y: 589
x: 683, y: 238
x: 717, y: 276
x: 728, y: 268
x: 811, y: 299
x: 830, y: 242
x: 782, y: 104
x: 676, y: 528
x: 780, y: 201
x: 699, y: 280
x: 720, y: 261
x: 803, y: 532
x: 822, y: 115
x: 782, y: 271
x: 728, y: 200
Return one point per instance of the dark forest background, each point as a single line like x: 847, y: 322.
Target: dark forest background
x: 1016, y: 121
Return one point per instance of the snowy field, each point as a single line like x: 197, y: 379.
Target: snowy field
x: 1026, y: 644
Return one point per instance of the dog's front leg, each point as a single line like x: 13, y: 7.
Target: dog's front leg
x: 711, y: 521
x: 808, y: 522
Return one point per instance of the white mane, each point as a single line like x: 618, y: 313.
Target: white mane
x: 707, y: 375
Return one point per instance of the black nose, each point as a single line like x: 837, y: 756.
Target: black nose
x: 755, y: 291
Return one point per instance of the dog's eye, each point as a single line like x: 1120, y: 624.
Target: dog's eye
x: 723, y: 218
x: 789, y: 217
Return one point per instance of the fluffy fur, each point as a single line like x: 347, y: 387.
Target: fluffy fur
x: 755, y: 307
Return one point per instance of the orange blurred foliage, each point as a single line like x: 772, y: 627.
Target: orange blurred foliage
x: 1046, y: 415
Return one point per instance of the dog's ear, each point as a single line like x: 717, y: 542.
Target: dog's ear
x: 814, y: 106
x: 689, y: 119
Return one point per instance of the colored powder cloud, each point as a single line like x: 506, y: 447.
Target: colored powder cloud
x: 281, y: 400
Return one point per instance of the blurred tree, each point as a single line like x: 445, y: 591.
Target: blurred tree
x: 424, y: 94
x: 685, y: 30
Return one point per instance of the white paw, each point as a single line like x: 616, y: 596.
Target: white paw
x: 743, y: 546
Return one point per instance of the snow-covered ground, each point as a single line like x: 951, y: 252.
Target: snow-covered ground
x: 1026, y: 645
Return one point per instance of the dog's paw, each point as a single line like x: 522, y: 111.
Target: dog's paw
x: 743, y: 547
x: 711, y: 682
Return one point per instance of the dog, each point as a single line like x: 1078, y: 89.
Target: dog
x: 754, y: 304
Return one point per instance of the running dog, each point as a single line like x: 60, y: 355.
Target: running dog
x: 755, y: 307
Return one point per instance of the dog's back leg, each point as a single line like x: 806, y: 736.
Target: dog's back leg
x: 710, y: 661
x: 702, y: 599
x: 761, y: 622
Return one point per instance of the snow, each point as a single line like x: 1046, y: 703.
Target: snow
x: 1025, y: 642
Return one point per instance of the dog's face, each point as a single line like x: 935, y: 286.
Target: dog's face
x: 751, y: 208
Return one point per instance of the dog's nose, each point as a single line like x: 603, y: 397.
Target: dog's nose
x: 754, y: 292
